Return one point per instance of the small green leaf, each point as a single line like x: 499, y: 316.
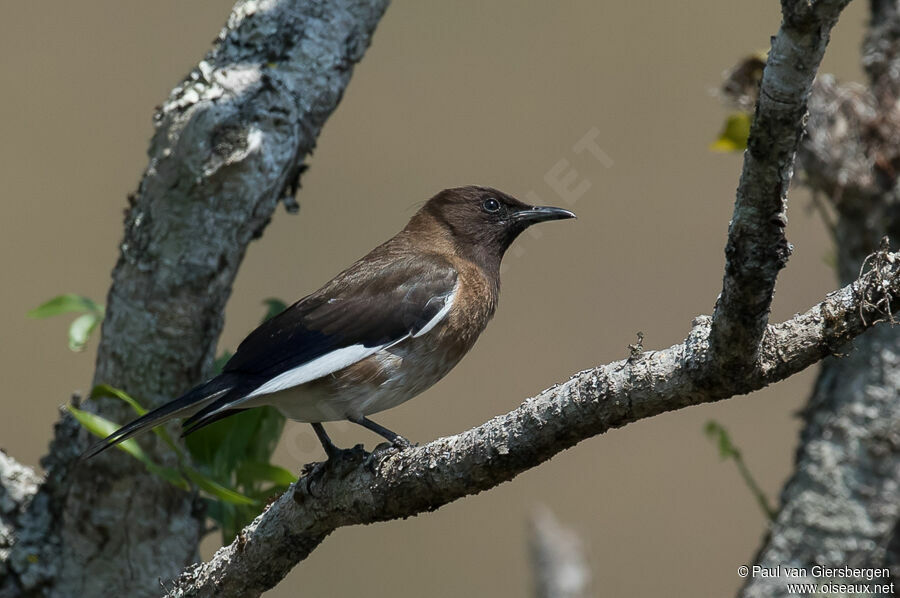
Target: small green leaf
x: 80, y: 330
x: 70, y: 302
x: 273, y: 307
x: 212, y: 487
x: 718, y: 434
x: 727, y: 450
x: 105, y: 390
x: 101, y: 427
x: 734, y: 134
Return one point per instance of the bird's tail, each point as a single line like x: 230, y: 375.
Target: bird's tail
x: 185, y: 405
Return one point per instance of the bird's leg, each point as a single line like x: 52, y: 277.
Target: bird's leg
x: 338, y: 458
x: 315, y: 470
x: 343, y: 457
x: 394, y: 438
x: 330, y: 449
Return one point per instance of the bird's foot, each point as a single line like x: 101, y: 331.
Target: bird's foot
x: 339, y: 463
x: 399, y: 443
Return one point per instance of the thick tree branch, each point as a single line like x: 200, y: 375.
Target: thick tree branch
x: 841, y: 506
x: 393, y: 485
x: 229, y: 144
x: 757, y: 248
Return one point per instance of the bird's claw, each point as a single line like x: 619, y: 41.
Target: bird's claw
x: 338, y: 459
x: 311, y: 474
x: 401, y: 443
x: 383, y: 449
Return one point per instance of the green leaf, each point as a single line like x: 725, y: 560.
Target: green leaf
x: 273, y: 308
x: 727, y: 450
x: 718, y: 434
x: 239, y: 441
x: 213, y: 488
x: 80, y: 330
x: 105, y: 390
x: 222, y: 446
x: 253, y: 472
x: 101, y: 427
x: 265, y: 440
x: 70, y: 302
x: 734, y: 134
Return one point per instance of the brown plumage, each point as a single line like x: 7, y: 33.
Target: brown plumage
x: 380, y: 332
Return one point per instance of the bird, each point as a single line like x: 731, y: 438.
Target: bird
x: 379, y: 333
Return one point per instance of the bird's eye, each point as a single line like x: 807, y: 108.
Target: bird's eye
x: 490, y: 205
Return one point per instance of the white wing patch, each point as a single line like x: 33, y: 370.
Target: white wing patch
x: 318, y: 367
x: 448, y: 303
x: 341, y: 358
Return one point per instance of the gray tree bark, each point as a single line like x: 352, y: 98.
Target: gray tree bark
x: 229, y: 143
x: 757, y: 248
x: 841, y: 507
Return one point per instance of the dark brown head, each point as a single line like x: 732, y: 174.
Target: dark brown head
x: 483, y: 222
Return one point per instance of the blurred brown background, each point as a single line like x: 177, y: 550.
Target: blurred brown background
x: 493, y: 93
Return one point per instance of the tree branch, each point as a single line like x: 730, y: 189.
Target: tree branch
x: 757, y: 248
x: 397, y: 484
x: 841, y: 506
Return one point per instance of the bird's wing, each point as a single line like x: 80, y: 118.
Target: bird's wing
x: 352, y: 316
x: 364, y: 310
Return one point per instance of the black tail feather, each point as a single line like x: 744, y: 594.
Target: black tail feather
x: 211, y: 409
x: 187, y: 404
x: 202, y: 423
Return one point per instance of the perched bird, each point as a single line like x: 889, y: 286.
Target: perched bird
x: 379, y: 333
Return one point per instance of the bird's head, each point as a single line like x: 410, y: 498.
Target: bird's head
x: 486, y: 221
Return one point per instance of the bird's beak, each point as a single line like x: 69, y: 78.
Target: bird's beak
x: 541, y: 214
